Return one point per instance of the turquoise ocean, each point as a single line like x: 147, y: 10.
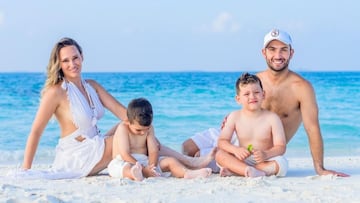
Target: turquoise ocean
x: 184, y: 103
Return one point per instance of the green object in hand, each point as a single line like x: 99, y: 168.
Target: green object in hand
x: 250, y: 147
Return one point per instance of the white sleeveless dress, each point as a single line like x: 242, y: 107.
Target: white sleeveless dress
x: 80, y: 157
x: 73, y: 158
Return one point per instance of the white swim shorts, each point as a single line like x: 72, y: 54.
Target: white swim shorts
x: 207, y: 140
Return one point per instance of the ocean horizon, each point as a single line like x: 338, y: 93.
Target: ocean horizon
x: 184, y: 103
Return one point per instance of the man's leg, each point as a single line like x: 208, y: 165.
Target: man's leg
x: 206, y: 139
x: 189, y: 148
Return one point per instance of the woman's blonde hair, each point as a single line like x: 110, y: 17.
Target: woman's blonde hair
x: 54, y: 71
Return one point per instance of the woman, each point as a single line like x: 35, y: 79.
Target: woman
x: 78, y: 104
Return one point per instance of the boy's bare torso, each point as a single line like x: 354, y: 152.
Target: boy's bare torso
x: 256, y: 130
x: 138, y: 144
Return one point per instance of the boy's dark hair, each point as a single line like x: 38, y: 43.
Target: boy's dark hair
x: 140, y: 110
x: 247, y: 78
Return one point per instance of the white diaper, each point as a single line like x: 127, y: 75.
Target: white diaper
x: 117, y: 165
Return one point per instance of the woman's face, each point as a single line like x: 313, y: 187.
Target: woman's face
x: 70, y: 61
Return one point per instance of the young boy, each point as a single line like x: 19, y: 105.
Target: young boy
x: 260, y: 134
x: 135, y: 152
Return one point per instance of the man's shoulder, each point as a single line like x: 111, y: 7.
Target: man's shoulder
x: 298, y: 80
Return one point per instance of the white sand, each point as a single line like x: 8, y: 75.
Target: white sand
x: 300, y: 185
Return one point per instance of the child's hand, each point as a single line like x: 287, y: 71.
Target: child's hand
x: 150, y: 171
x: 242, y: 153
x: 259, y: 155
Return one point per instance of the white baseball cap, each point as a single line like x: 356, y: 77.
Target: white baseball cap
x: 276, y: 34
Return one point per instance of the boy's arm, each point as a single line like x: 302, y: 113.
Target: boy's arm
x: 153, y: 155
x: 224, y: 140
x: 121, y: 144
x: 152, y: 146
x: 279, y: 140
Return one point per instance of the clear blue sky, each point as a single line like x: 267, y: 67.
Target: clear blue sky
x: 198, y: 35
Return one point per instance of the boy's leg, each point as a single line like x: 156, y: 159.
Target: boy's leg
x: 275, y: 166
x: 170, y: 164
x: 134, y: 172
x: 232, y: 164
x: 269, y: 167
x: 192, y: 162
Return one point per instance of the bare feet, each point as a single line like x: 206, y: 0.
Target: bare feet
x: 253, y: 172
x: 136, y: 172
x: 199, y: 173
x: 202, y: 161
x: 270, y: 168
x: 225, y: 172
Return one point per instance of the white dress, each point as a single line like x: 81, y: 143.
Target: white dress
x: 73, y: 158
x: 80, y: 157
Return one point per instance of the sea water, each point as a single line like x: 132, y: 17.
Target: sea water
x: 184, y: 103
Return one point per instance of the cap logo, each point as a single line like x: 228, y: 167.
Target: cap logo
x: 275, y: 33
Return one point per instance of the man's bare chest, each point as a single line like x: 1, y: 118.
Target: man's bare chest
x: 283, y: 103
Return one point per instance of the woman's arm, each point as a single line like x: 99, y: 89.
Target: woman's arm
x: 48, y: 105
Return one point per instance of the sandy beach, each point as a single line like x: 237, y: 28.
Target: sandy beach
x: 300, y: 185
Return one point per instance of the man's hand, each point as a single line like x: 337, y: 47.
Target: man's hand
x: 331, y: 172
x: 223, y: 123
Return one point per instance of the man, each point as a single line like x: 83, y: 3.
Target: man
x: 287, y: 94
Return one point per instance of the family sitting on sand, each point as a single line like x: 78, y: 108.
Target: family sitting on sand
x: 274, y: 103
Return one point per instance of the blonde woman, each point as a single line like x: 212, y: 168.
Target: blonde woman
x: 77, y: 105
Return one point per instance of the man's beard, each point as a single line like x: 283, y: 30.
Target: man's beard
x: 286, y: 65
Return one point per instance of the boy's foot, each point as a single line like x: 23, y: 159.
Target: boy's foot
x: 270, y: 168
x: 136, y: 171
x: 202, y: 161
x: 225, y: 172
x: 253, y: 172
x: 199, y: 173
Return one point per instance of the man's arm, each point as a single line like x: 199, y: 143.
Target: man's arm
x: 309, y: 113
